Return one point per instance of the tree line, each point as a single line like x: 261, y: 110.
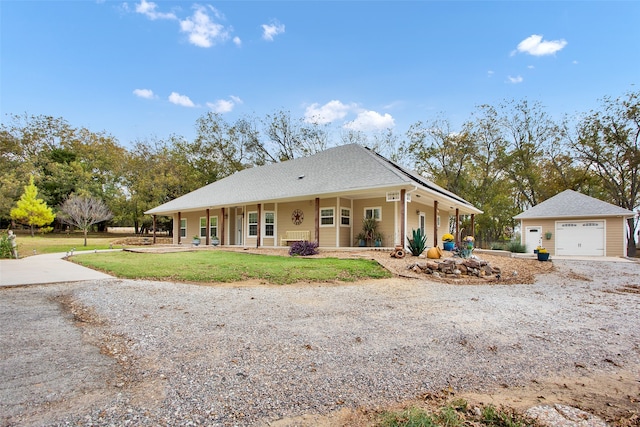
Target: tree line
x: 503, y: 159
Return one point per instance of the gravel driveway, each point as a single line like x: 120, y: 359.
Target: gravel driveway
x: 118, y: 352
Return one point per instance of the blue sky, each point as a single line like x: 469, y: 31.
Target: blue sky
x: 139, y: 69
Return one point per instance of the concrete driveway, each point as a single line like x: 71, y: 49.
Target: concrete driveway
x: 47, y: 268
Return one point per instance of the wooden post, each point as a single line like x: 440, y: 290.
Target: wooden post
x: 403, y: 216
x: 317, y: 221
x: 473, y: 225
x: 457, y: 226
x: 259, y: 225
x: 206, y: 240
x: 154, y: 229
x: 179, y: 224
x: 435, y: 223
x: 221, y: 237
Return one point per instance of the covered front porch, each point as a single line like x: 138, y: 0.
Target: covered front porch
x: 333, y: 221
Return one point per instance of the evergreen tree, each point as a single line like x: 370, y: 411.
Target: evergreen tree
x: 30, y: 210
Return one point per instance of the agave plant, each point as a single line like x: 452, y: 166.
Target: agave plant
x: 418, y: 244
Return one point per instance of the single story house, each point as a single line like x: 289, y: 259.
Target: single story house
x: 571, y: 223
x: 324, y: 198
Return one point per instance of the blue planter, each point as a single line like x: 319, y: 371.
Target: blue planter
x: 543, y: 257
x: 448, y: 246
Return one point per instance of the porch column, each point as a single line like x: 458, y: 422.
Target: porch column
x: 473, y: 225
x: 259, y: 225
x: 179, y: 224
x: 316, y: 221
x: 457, y: 226
x: 206, y: 240
x: 403, y: 216
x: 221, y: 237
x: 154, y: 229
x: 435, y: 223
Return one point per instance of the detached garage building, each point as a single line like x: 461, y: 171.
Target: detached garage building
x: 571, y: 223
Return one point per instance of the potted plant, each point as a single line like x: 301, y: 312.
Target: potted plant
x: 370, y: 230
x: 467, y: 247
x: 361, y: 239
x: 543, y: 254
x: 378, y: 239
x: 447, y: 242
x: 548, y: 235
x: 196, y: 240
x: 214, y: 240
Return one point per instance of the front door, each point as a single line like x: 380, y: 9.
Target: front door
x: 239, y: 230
x: 533, y: 238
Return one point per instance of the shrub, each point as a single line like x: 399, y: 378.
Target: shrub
x: 5, y: 246
x: 418, y: 243
x: 516, y: 247
x: 303, y: 248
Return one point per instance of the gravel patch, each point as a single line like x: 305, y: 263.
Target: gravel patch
x: 122, y: 352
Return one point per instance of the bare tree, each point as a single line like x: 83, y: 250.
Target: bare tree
x: 83, y: 212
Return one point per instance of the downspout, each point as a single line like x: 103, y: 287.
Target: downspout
x: 403, y: 214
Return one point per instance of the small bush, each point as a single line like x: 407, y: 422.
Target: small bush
x: 5, y: 246
x: 516, y: 247
x: 303, y: 248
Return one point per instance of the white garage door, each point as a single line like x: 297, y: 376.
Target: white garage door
x: 580, y: 238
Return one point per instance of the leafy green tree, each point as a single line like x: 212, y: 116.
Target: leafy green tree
x: 83, y: 212
x: 608, y: 143
x: 440, y: 153
x: 30, y: 210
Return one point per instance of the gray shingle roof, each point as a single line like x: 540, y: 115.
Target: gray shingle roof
x: 341, y: 169
x: 570, y: 203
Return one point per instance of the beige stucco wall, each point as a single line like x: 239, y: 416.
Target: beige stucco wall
x: 387, y: 225
x: 614, y: 233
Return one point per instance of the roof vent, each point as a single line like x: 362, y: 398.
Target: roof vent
x: 301, y: 176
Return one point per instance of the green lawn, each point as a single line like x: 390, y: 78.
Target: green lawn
x: 221, y: 266
x: 54, y: 242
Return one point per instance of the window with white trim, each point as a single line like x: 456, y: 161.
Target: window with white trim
x: 183, y: 228
x: 269, y: 224
x: 375, y: 213
x: 213, y: 226
x: 345, y: 217
x: 253, y: 224
x: 326, y: 217
x: 203, y: 227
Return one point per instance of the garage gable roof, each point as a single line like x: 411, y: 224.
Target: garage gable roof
x: 570, y: 203
x: 350, y: 167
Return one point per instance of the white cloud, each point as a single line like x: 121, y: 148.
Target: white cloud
x: 224, y: 105
x: 490, y: 73
x: 237, y: 41
x: 534, y: 45
x: 272, y: 30
x: 327, y: 113
x: 149, y: 10
x: 144, y: 93
x: 371, y: 121
x: 182, y: 100
x: 202, y: 30
x: 515, y: 80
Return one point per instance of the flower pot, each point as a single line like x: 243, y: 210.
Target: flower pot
x: 196, y: 242
x: 434, y: 253
x: 215, y: 242
x: 543, y: 256
x: 448, y: 246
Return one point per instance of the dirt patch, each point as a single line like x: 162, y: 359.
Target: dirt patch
x: 615, y: 400
x: 514, y: 270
